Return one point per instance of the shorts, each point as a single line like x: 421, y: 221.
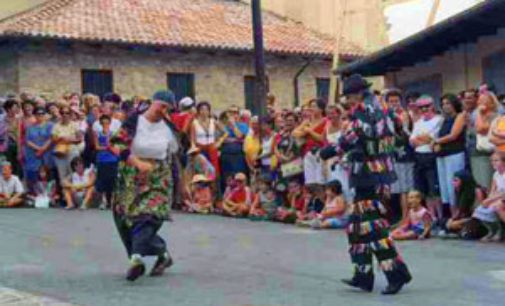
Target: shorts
x: 418, y: 229
x: 405, y: 181
x: 425, y: 174
x: 337, y: 222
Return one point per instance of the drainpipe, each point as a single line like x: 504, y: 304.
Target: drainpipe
x: 295, y: 81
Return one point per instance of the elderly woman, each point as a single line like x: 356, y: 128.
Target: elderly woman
x: 143, y: 195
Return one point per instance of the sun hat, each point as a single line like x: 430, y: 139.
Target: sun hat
x: 186, y: 103
x: 424, y: 100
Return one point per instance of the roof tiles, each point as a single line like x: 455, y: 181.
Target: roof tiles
x: 215, y: 24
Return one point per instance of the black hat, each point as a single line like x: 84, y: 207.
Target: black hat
x: 355, y: 84
x: 39, y: 110
x: 112, y: 97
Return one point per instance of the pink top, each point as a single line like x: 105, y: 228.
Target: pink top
x: 417, y: 217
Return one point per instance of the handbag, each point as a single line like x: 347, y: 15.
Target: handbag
x: 62, y: 149
x: 42, y: 201
x: 483, y: 144
x: 292, y: 168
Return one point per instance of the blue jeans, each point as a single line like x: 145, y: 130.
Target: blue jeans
x: 447, y: 166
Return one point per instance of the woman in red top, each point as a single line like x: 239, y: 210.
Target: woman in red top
x: 311, y: 133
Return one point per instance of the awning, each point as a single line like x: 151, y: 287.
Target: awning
x: 465, y: 27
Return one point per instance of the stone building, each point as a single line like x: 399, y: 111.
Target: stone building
x: 455, y: 54
x: 201, y: 48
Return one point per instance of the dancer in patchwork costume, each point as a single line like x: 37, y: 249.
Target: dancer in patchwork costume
x: 368, y: 146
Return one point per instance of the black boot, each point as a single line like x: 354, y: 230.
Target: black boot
x: 397, y: 278
x: 363, y: 281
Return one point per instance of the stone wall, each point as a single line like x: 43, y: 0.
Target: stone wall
x: 8, y: 73
x: 219, y: 77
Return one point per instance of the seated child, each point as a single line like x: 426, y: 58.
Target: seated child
x: 197, y: 164
x: 265, y: 203
x: 334, y: 213
x: 473, y: 228
x: 11, y: 189
x: 45, y: 190
x: 78, y: 187
x: 313, y: 205
x: 497, y: 190
x: 418, y: 222
x: 486, y: 215
x: 464, y: 187
x: 294, y: 205
x: 238, y: 197
x: 201, y: 196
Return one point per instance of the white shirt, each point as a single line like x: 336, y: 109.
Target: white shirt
x: 499, y: 181
x: 430, y: 127
x: 115, y: 125
x: 153, y: 140
x: 12, y: 185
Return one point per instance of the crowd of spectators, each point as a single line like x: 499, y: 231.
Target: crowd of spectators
x: 450, y: 159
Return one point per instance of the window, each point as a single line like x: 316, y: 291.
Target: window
x: 323, y: 88
x: 98, y: 82
x: 250, y: 93
x: 181, y: 84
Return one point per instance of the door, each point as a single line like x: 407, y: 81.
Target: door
x: 98, y: 82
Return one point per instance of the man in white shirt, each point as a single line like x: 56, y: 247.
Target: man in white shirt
x: 11, y: 189
x: 425, y: 169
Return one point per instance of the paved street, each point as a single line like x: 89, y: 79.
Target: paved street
x: 76, y: 257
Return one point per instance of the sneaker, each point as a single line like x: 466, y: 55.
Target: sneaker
x: 316, y: 224
x: 442, y: 234
x: 162, y: 263
x: 103, y: 206
x: 136, y: 269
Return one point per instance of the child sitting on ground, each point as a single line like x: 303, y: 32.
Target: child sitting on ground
x: 265, y: 203
x: 464, y: 187
x: 200, y: 200
x: 486, y: 215
x: 45, y: 190
x: 334, y: 213
x: 288, y: 212
x: 418, y: 222
x: 78, y: 187
x: 497, y: 191
x: 238, y: 198
x: 313, y: 204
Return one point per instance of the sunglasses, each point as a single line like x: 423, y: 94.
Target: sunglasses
x: 424, y: 107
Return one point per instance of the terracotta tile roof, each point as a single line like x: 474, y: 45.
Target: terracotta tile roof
x: 215, y: 24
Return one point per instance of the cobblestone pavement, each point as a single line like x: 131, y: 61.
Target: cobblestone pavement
x: 10, y: 297
x: 76, y: 257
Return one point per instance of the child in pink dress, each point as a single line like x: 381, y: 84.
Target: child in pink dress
x: 418, y: 222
